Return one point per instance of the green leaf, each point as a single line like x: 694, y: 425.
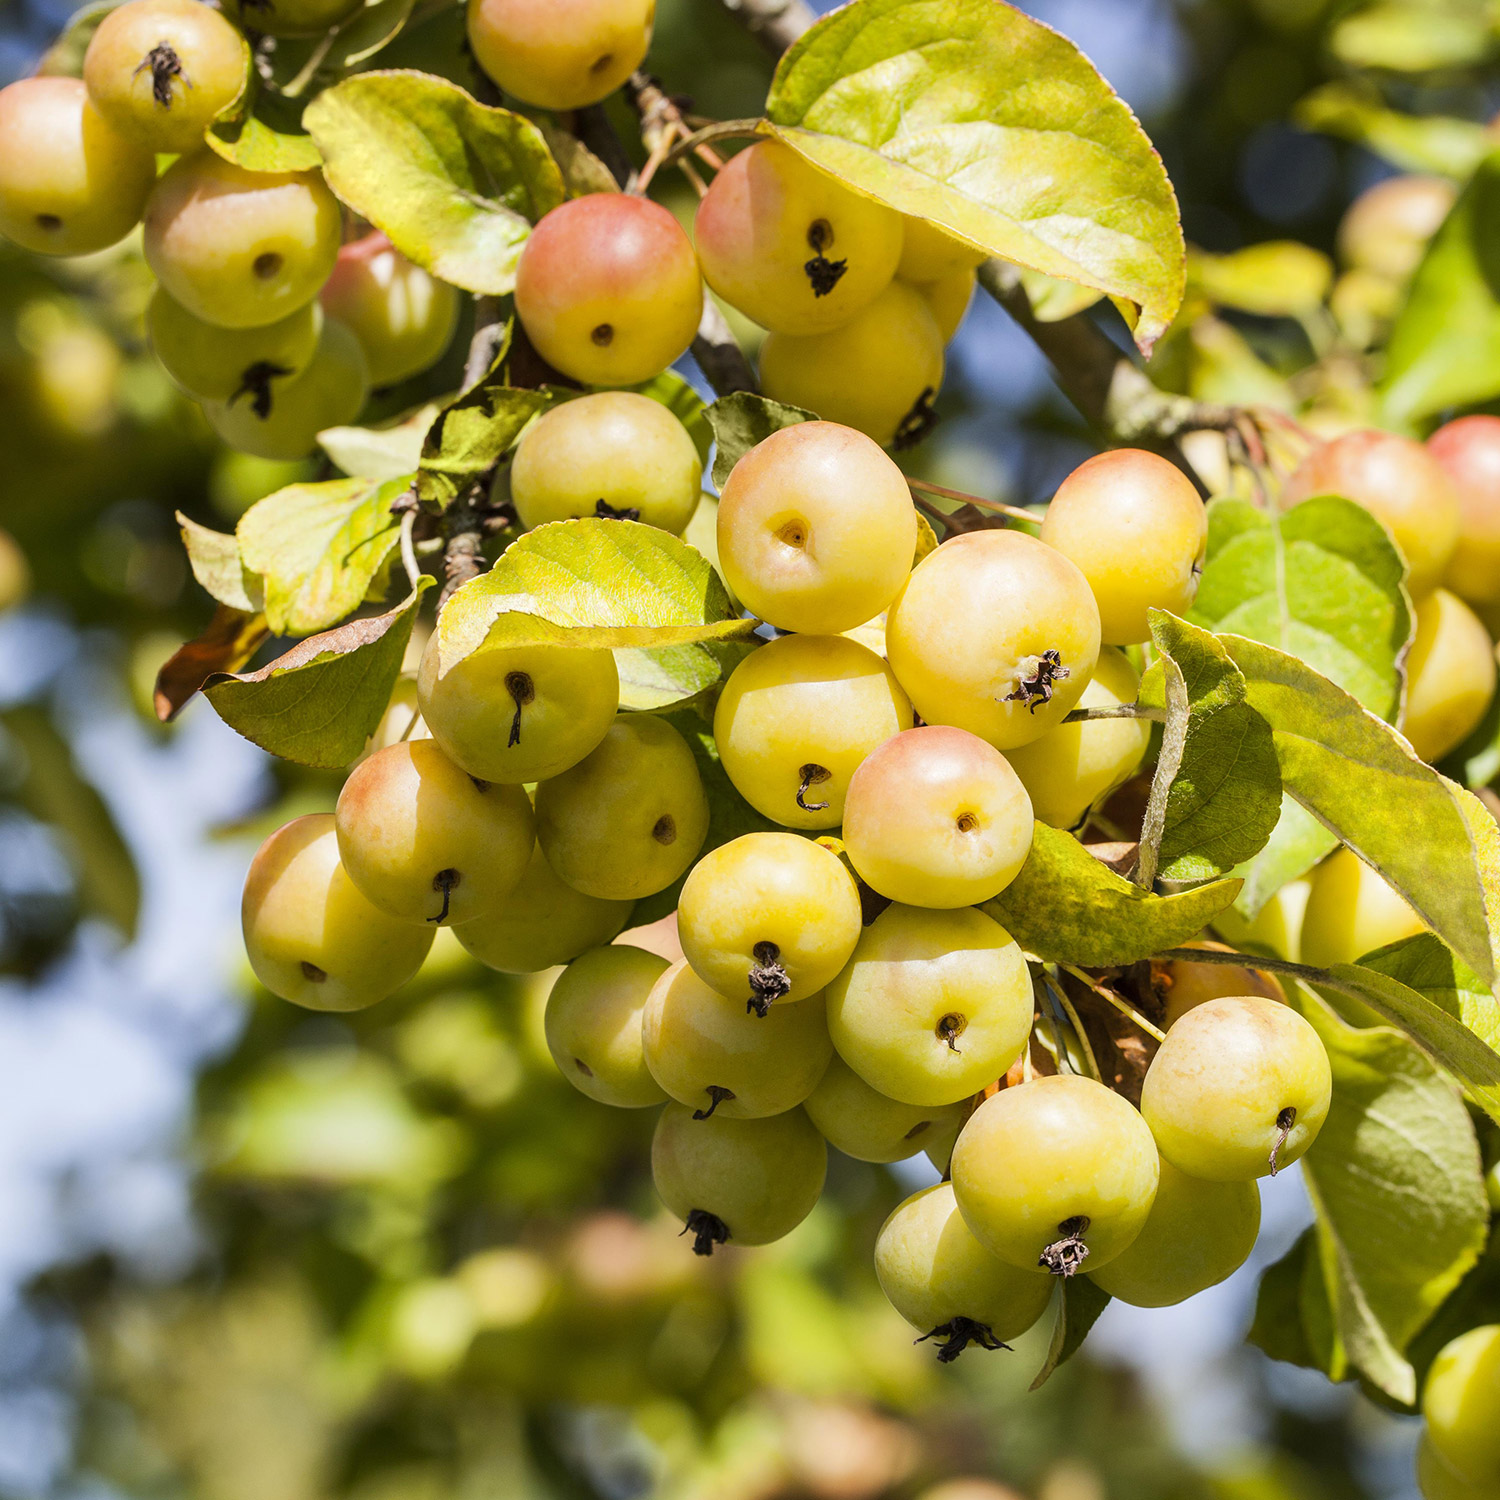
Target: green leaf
x: 452, y: 182
x: 267, y: 138
x: 1279, y: 278
x: 1415, y: 143
x: 1067, y: 906
x: 1079, y: 1303
x: 1433, y: 970
x: 1293, y: 1318
x: 1053, y: 300
x: 318, y: 546
x: 1297, y: 843
x: 318, y: 703
x: 1408, y: 38
x: 743, y: 419
x: 214, y: 557
x: 582, y: 171
x: 381, y: 452
x: 226, y: 644
x: 936, y: 109
x: 469, y: 437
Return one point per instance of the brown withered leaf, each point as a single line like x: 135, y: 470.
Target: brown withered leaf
x: 231, y: 638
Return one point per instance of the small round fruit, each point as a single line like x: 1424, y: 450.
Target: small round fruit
x: 1074, y: 767
x: 1059, y: 1173
x: 796, y: 718
x: 1450, y: 675
x: 1185, y: 986
x: 996, y: 633
x: 1386, y: 228
x: 162, y: 71
x: 1197, y: 1234
x: 741, y: 1182
x: 717, y: 1055
x: 630, y: 817
x: 614, y: 454
x: 1461, y: 1401
x: 560, y: 54
x: 608, y: 289
x: 542, y: 923
x: 944, y: 1282
x: 1437, y: 1479
x: 865, y: 1124
x: 291, y: 17
x: 816, y: 529
x: 1351, y: 911
x: 791, y: 247
x: 949, y: 300
x: 425, y: 842
x: 929, y: 253
x: 518, y: 713
x: 1276, y: 928
x: 1469, y: 449
x: 1239, y: 1089
x: 1136, y: 527
x: 311, y: 937
x: 593, y: 1025
x: 936, y: 817
x: 253, y: 365
x: 402, y: 316
x: 768, y: 916
x: 830, y: 373
x: 70, y: 183
x: 1400, y: 483
x: 239, y: 248
x: 933, y: 1006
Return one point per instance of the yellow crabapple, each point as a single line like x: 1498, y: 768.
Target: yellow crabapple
x: 593, y: 1025
x: 1437, y: 1479
x: 1184, y: 986
x: 949, y: 299
x: 225, y: 364
x: 1450, y: 675
x: 1469, y: 450
x: 291, y: 17
x: 1461, y: 1401
x: 865, y: 1124
x: 1275, y: 928
x: 1386, y: 229
x: 930, y: 253
x: 1351, y: 911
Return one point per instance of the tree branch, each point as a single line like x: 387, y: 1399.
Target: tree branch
x: 775, y: 24
x: 719, y: 355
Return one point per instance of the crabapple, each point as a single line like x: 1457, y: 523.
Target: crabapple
x: 949, y: 299
x: 1386, y: 229
x: 996, y: 633
x: 1437, y: 1479
x: 1276, y: 928
x: 225, y: 364
x: 865, y: 1124
x: 929, y: 253
x: 1197, y: 1234
x: 310, y: 935
x: 796, y: 718
x: 630, y: 817
x: 1461, y: 1401
x: 291, y: 17
x: 615, y: 453
x: 70, y: 183
x: 1450, y: 675
x: 1469, y: 449
x: 1185, y: 986
x: 593, y: 1025
x: 748, y: 1182
x: 1058, y: 1173
x: 933, y: 1005
x: 770, y: 916
x: 608, y: 289
x: 1351, y: 911
x: 791, y: 247
x: 816, y: 529
x: 936, y: 817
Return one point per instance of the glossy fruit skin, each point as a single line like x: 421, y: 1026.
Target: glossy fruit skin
x: 563, y: 54
x: 805, y: 701
x: 1387, y: 227
x: 611, y: 452
x: 291, y: 17
x: 165, y: 102
x: 214, y: 364
x: 69, y: 182
x: 949, y: 299
x: 1461, y: 1401
x: 829, y: 373
x: 865, y: 1124
x: 1186, y: 986
x: 933, y: 1271
x: 1469, y: 449
x: 936, y: 817
x: 1074, y: 767
x: 1438, y: 1480
x: 917, y: 978
x: 402, y: 316
x: 237, y: 248
x: 311, y: 937
x: 608, y: 289
x: 471, y: 709
x: 768, y: 217
x: 1351, y: 911
x: 760, y: 1178
x: 972, y: 623
x: 1215, y: 1092
x: 593, y: 1025
x: 542, y: 923
x: 768, y: 888
x: 410, y: 822
x: 816, y: 529
x: 929, y: 254
x: 630, y: 817
x: 1400, y: 483
x: 1450, y: 675
x: 1137, y: 529
x: 1197, y: 1234
x: 697, y: 1040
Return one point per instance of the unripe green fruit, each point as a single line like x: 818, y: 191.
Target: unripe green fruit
x: 290, y: 17
x: 1461, y: 1401
x: 865, y: 1124
x: 790, y: 246
x: 1185, y: 986
x: 1386, y: 228
x: 239, y: 248
x: 996, y: 633
x: 933, y: 1006
x: 949, y: 299
x: 742, y: 1182
x: 714, y: 1053
x: 796, y: 718
x: 1438, y: 1480
x: 1351, y: 911
x: 232, y: 364
x: 1197, y: 1234
x: 310, y: 935
x: 542, y: 923
x: 593, y: 1025
x: 1469, y: 450
x: 162, y: 71
x: 1450, y: 675
x: 70, y: 183
x: 768, y: 915
x: 929, y: 254
x: 1239, y: 1089
x: 615, y: 453
x: 1058, y: 1173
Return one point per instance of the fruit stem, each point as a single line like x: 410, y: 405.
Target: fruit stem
x: 1284, y: 1122
x: 957, y: 1334
x: 444, y: 881
x: 812, y: 775
x: 1121, y: 1005
x: 716, y: 1096
x: 1119, y: 711
x: 996, y: 507
x: 1061, y: 996
x: 707, y: 1231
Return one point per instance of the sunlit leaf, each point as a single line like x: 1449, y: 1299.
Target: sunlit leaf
x: 1415, y: 143
x: 741, y: 420
x: 1278, y: 278
x: 214, y: 557
x: 230, y: 640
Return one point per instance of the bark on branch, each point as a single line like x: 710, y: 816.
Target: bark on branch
x: 776, y: 24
